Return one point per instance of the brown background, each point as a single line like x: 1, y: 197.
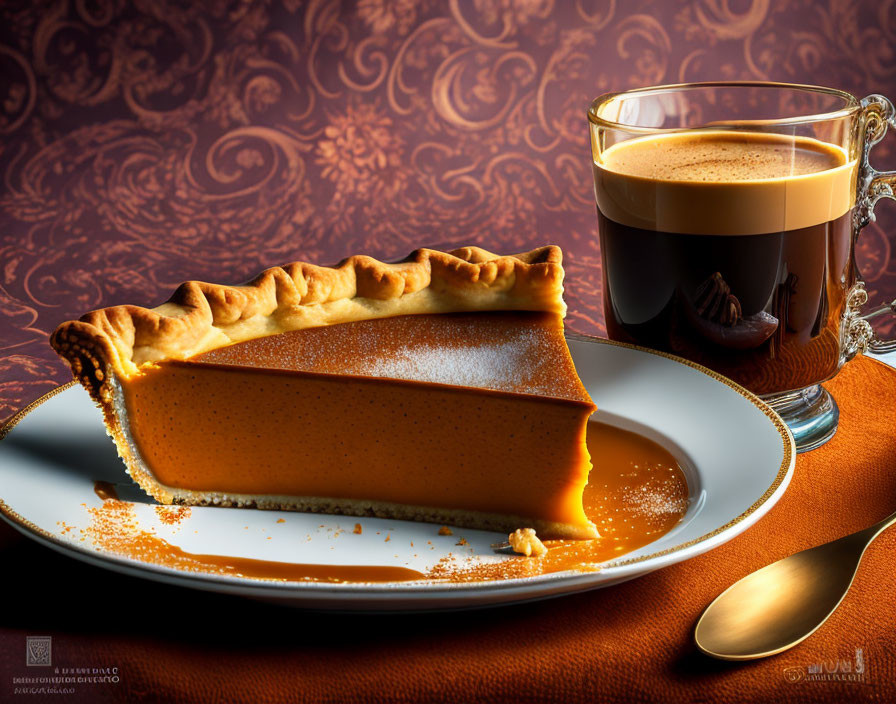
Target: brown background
x: 148, y: 142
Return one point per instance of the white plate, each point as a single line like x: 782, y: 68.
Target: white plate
x: 736, y: 453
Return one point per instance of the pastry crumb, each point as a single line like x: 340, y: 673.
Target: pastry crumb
x: 357, y: 530
x: 445, y: 530
x: 525, y: 542
x: 388, y: 538
x: 281, y: 520
x: 462, y: 541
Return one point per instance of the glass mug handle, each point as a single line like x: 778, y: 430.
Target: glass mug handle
x: 858, y: 335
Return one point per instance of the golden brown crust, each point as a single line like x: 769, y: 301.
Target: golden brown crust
x: 478, y: 520
x: 200, y: 317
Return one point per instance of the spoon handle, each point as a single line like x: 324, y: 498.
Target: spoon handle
x: 878, y: 528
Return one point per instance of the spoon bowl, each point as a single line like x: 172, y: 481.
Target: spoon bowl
x: 782, y: 604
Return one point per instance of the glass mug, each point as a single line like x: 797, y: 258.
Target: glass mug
x: 728, y: 214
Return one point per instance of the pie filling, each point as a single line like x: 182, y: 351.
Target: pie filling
x: 475, y: 418
x: 436, y: 388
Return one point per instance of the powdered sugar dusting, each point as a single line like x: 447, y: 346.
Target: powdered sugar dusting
x: 656, y: 500
x: 486, y: 366
x: 519, y: 352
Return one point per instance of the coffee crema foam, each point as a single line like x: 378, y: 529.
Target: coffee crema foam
x: 724, y: 182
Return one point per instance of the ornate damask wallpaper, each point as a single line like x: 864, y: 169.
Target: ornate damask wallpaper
x: 145, y: 142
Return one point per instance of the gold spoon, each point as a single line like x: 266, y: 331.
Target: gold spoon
x: 784, y: 603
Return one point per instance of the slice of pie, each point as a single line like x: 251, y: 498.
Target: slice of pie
x: 438, y: 389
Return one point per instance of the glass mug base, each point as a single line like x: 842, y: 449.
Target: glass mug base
x: 811, y: 414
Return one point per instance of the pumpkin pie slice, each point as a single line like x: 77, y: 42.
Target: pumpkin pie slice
x: 439, y: 388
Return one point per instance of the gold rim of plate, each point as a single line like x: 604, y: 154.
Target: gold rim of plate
x: 787, y: 462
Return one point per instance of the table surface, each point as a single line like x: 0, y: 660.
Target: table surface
x: 172, y: 644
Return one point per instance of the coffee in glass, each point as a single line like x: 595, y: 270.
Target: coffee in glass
x: 727, y: 215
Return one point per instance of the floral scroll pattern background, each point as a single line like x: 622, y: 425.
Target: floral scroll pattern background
x: 145, y: 142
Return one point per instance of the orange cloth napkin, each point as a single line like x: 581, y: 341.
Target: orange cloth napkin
x: 628, y: 643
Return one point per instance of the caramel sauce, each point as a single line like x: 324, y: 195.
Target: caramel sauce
x: 105, y: 490
x: 293, y: 572
x: 637, y: 493
x: 114, y: 528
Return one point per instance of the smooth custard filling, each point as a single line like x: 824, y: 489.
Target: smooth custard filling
x: 479, y: 412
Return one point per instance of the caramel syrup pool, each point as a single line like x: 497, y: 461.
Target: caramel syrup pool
x: 637, y: 493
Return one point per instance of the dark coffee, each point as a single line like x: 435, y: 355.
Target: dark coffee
x: 729, y: 249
